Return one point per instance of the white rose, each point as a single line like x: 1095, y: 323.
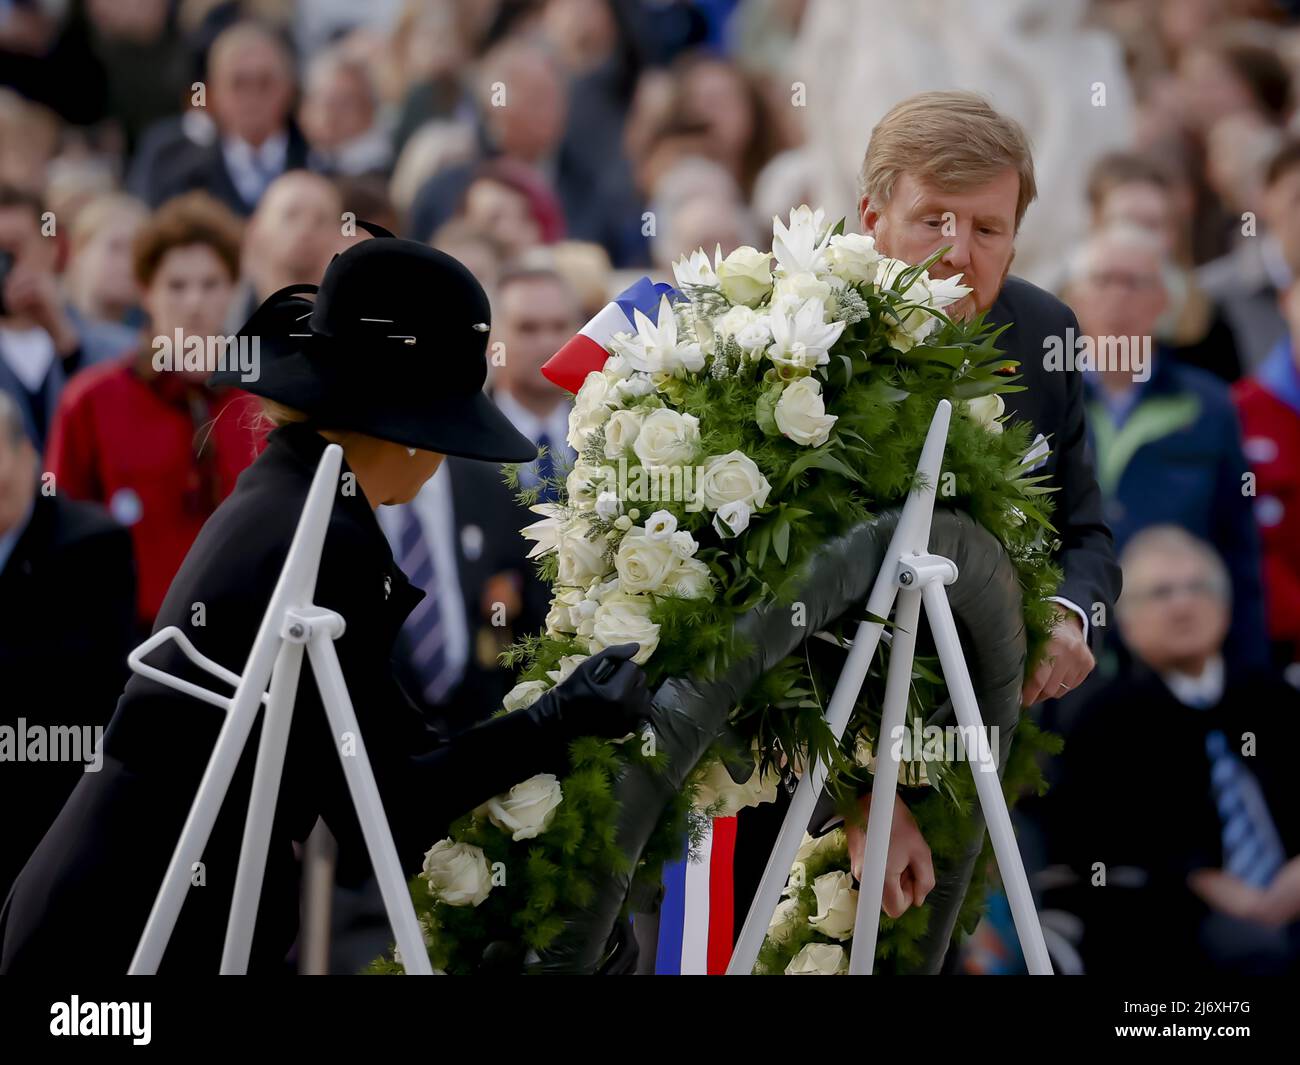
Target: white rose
x: 630, y: 388
x: 747, y: 327
x: 733, y: 478
x: 583, y: 484
x: 784, y: 919
x: 567, y: 665
x: 791, y: 291
x: 812, y: 846
x: 616, y: 367
x: 819, y: 959
x: 608, y: 505
x: 589, y: 411
x: 594, y: 393
x: 527, y: 809
x: 457, y: 873
x: 524, y: 694
x: 600, y: 590
x: 745, y: 275
x: 580, y: 559
x: 837, y: 905
x: 581, y: 427
x: 621, y: 430
x: 732, y: 519
x: 690, y: 579
x: 626, y: 619
x: 667, y: 438
x: 643, y: 564
x: 716, y: 786
x: 985, y: 410
x: 560, y: 618
x: 796, y: 880
x: 683, y: 544
x: 854, y: 258
x: 801, y: 413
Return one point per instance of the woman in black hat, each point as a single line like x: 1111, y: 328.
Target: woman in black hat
x: 388, y: 362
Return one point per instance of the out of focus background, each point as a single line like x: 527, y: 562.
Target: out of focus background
x: 167, y: 164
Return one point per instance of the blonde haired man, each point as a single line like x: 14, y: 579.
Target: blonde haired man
x: 944, y: 170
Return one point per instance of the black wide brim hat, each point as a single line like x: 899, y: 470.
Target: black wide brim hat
x: 394, y: 345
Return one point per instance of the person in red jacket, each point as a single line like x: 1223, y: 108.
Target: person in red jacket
x: 1269, y: 405
x: 143, y: 435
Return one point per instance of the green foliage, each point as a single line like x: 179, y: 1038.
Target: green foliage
x: 883, y: 398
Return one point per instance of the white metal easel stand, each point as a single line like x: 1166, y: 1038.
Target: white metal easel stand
x: 910, y: 575
x: 291, y: 623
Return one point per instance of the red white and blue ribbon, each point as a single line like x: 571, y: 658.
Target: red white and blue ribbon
x: 697, y: 918
x: 589, y: 348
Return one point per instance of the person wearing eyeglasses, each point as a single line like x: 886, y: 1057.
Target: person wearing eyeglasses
x: 1166, y: 436
x: 1187, y: 858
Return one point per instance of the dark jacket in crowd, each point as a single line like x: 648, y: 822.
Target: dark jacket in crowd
x: 1177, y: 459
x: 89, y: 887
x: 1135, y: 795
x: 68, y: 591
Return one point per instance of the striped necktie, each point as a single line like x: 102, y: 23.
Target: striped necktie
x: 426, y: 634
x: 545, y: 471
x: 1252, y: 849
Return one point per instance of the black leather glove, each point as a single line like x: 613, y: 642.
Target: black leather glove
x: 605, y: 696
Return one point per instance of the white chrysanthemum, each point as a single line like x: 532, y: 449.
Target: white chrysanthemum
x: 694, y: 269
x: 924, y: 292
x: 545, y: 534
x: 801, y: 246
x: 655, y: 348
x: 946, y: 290
x: 802, y: 340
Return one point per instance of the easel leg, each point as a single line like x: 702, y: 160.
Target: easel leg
x: 370, y: 810
x: 198, y: 824
x: 988, y: 785
x: 262, y: 799
x: 884, y: 788
x: 777, y: 871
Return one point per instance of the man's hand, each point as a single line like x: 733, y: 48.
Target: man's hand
x: 1066, y: 662
x: 34, y: 295
x: 909, y: 870
x: 1275, y: 906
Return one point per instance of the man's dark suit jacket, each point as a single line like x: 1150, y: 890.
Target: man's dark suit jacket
x: 1146, y: 803
x: 169, y: 163
x: 68, y: 590
x: 1053, y: 402
x: 488, y: 542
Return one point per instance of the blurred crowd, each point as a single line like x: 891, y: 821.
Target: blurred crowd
x: 165, y: 165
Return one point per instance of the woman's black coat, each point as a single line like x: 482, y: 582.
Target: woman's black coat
x: 83, y: 897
